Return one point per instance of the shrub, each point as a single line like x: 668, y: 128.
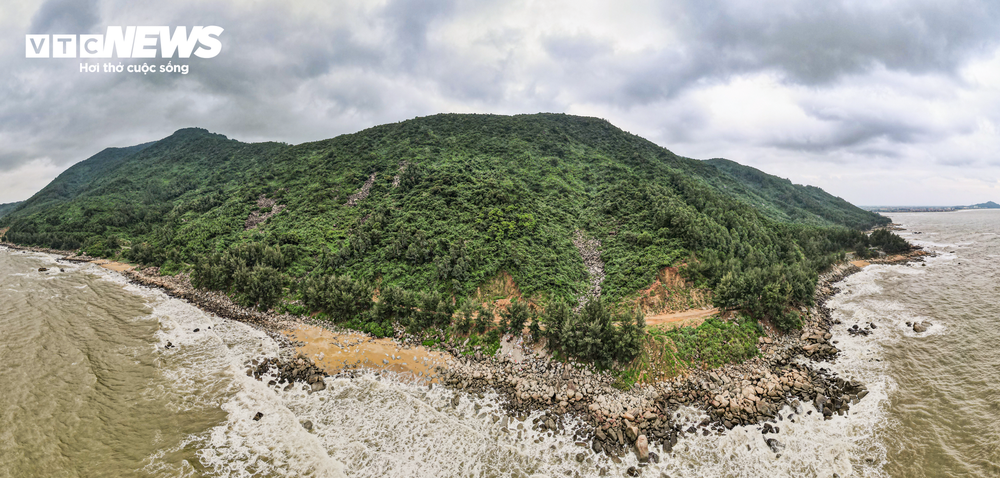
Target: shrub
x: 484, y: 319
x: 261, y: 286
x: 535, y: 329
x: 338, y: 296
x: 144, y: 253
x: 553, y: 318
x: 716, y: 342
x: 788, y: 321
x: 595, y: 333
x: 888, y: 241
x: 515, y: 317
x: 235, y: 270
x: 466, y: 317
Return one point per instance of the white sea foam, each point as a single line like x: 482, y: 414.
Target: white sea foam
x: 206, y: 370
x: 372, y: 426
x: 379, y: 427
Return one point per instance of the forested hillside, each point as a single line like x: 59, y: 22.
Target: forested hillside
x: 781, y: 200
x: 81, y: 177
x: 8, y: 207
x: 440, y: 205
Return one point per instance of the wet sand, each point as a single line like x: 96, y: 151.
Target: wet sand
x: 335, y: 352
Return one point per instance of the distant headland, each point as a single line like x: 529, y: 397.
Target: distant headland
x: 985, y: 205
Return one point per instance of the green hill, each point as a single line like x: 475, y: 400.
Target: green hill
x: 78, y: 178
x: 443, y: 204
x: 781, y: 200
x: 8, y: 207
x: 984, y: 205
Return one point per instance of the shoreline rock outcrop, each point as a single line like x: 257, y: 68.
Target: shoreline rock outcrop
x: 750, y: 393
x: 288, y: 372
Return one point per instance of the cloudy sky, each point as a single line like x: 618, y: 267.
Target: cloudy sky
x: 879, y: 102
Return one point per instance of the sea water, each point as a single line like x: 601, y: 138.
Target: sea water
x: 91, y: 388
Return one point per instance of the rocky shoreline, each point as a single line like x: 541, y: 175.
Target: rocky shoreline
x: 646, y: 418
x: 643, y: 420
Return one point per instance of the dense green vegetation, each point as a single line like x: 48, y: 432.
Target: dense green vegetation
x: 781, y: 200
x: 594, y: 333
x: 715, y: 342
x: 8, y: 207
x: 669, y: 351
x: 880, y: 240
x: 452, y: 201
x: 251, y: 271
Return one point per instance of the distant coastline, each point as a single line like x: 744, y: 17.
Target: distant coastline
x: 890, y: 209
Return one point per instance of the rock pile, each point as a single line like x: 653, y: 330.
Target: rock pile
x: 270, y: 208
x: 402, y: 169
x: 617, y: 421
x: 288, y: 372
x: 590, y: 251
x: 817, y: 345
x: 863, y: 331
x: 528, y: 385
x: 216, y: 302
x: 355, y: 198
x: 759, y: 398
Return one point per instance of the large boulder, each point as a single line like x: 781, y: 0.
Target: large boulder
x: 775, y: 445
x: 642, y: 448
x: 820, y: 402
x: 631, y: 432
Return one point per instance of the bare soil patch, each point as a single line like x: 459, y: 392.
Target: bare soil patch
x: 686, y: 318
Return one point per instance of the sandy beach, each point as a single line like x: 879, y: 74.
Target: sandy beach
x: 337, y: 351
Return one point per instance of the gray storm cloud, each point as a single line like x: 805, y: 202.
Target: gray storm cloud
x: 65, y: 16
x: 810, y: 90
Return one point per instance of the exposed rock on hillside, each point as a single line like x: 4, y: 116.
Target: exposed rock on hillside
x: 355, y: 198
x: 590, y: 251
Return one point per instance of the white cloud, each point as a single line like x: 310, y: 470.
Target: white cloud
x: 27, y: 179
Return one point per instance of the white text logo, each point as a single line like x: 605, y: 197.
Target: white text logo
x: 128, y: 42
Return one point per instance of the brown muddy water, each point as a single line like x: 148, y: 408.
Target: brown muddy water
x: 82, y: 394
x: 89, y: 388
x: 943, y: 413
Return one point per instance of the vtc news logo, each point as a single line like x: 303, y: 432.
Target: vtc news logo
x: 128, y: 42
